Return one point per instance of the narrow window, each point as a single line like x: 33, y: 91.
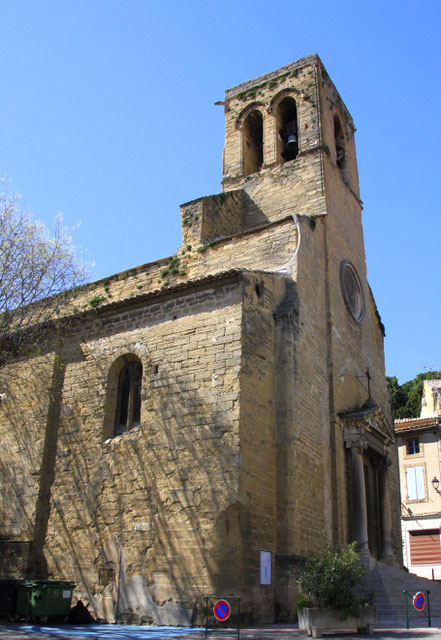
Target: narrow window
x: 287, y: 129
x: 340, y: 145
x: 128, y: 405
x: 416, y: 489
x: 252, y: 143
x: 412, y: 446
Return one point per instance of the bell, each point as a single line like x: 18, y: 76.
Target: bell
x: 291, y: 143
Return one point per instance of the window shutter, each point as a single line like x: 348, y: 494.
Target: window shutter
x: 425, y: 547
x: 416, y: 489
x: 411, y: 483
x: 419, y: 479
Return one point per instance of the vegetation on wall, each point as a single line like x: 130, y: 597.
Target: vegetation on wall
x: 406, y: 398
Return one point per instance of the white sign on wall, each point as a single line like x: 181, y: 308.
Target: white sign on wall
x: 265, y: 566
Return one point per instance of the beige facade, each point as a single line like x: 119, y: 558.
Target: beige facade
x: 189, y: 413
x: 419, y: 456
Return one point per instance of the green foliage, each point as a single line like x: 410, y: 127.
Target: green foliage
x: 406, y: 398
x: 189, y: 218
x: 303, y: 602
x: 174, y: 265
x: 335, y: 579
x: 204, y: 247
x: 173, y: 269
x: 96, y: 300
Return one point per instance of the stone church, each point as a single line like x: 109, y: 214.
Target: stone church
x: 199, y: 425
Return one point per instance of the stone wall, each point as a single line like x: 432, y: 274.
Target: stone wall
x: 120, y: 510
x: 251, y: 358
x: 24, y: 418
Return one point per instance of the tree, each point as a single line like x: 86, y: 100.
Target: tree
x: 334, y: 579
x: 34, y: 265
x: 406, y: 399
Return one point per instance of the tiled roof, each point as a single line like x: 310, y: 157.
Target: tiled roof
x: 408, y: 424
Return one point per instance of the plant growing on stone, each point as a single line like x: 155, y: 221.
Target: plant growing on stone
x: 335, y: 579
x: 96, y: 300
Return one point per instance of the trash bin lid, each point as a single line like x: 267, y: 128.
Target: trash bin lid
x: 65, y: 584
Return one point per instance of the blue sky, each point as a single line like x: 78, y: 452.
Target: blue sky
x: 107, y: 115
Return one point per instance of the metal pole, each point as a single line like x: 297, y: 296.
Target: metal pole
x: 238, y: 618
x: 206, y: 618
x: 407, y: 609
x: 428, y: 607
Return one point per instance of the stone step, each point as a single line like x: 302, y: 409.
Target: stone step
x: 388, y: 583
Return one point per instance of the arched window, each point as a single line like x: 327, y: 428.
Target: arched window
x: 340, y: 144
x: 287, y: 129
x: 252, y: 142
x: 128, y: 403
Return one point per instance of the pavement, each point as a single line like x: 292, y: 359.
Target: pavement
x: 13, y: 631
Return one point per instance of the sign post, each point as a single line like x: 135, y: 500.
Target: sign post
x: 222, y: 610
x: 218, y: 610
x: 418, y: 600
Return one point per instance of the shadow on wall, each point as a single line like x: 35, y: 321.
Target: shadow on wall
x: 139, y: 520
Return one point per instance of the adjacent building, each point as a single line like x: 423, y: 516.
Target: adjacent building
x: 418, y: 442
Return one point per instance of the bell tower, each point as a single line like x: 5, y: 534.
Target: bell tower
x: 290, y: 151
x: 289, y: 219
x: 287, y: 133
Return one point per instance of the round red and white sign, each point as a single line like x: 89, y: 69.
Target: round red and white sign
x: 419, y: 601
x: 221, y: 610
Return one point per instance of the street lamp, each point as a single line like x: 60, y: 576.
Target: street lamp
x: 435, y: 484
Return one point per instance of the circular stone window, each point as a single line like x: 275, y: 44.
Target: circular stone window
x: 352, y: 291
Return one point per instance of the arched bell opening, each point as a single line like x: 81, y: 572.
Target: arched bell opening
x: 288, y: 142
x: 252, y: 143
x: 340, y: 144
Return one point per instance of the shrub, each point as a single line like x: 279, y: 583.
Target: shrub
x: 335, y: 579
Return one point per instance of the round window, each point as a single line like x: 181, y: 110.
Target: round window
x: 352, y: 291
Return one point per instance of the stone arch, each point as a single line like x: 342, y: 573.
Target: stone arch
x: 276, y: 100
x: 253, y: 106
x: 123, y: 395
x: 285, y: 113
x: 340, y: 143
x: 252, y: 143
x: 251, y: 124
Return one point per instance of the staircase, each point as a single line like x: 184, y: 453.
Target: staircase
x: 388, y: 583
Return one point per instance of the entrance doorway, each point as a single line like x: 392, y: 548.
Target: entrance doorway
x: 372, y: 478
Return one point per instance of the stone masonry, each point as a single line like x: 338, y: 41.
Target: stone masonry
x: 260, y: 417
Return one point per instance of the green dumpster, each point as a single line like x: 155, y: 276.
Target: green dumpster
x: 44, y: 598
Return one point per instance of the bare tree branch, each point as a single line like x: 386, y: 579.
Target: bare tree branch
x: 34, y: 265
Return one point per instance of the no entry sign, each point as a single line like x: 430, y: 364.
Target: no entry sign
x: 419, y: 601
x: 221, y: 610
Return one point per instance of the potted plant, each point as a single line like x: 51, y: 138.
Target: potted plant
x: 332, y: 593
